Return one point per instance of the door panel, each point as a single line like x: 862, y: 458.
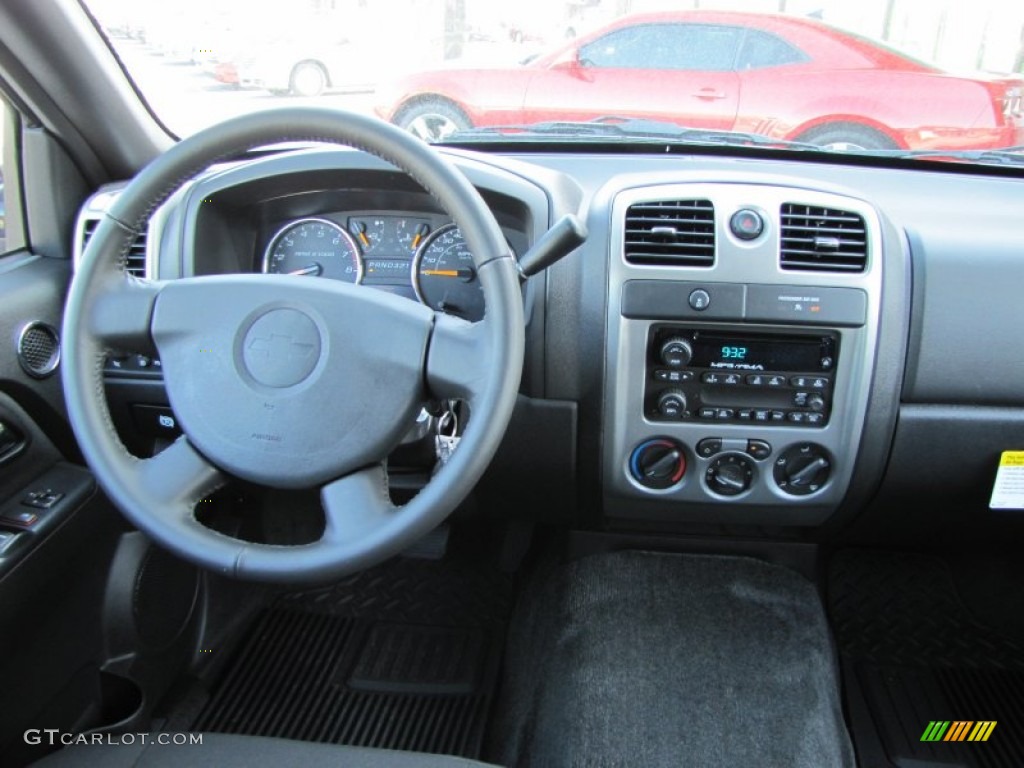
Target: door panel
x: 683, y: 73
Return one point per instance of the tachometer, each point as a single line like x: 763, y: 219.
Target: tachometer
x: 314, y: 247
x: 444, y: 275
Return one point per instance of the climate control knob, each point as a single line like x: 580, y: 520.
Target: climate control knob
x: 730, y: 474
x: 672, y: 404
x: 802, y: 469
x: 676, y: 353
x: 659, y: 463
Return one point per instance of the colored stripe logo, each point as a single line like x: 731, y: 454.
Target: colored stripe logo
x: 958, y: 730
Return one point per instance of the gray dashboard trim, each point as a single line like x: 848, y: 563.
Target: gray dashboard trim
x: 738, y: 263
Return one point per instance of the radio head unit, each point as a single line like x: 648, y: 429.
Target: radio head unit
x: 701, y: 375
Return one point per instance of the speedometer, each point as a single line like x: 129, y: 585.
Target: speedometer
x: 314, y: 247
x: 444, y: 275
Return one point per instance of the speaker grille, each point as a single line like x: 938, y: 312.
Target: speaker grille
x: 38, y: 349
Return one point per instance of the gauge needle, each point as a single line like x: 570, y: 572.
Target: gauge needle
x: 421, y: 230
x: 360, y: 228
x: 465, y: 274
x: 312, y: 269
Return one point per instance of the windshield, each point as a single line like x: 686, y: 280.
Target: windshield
x: 932, y: 80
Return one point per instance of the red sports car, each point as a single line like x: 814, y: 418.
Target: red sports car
x: 781, y: 76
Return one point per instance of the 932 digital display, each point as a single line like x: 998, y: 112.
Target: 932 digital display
x: 736, y: 353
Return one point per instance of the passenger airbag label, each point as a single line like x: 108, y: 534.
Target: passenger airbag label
x: 1008, y: 492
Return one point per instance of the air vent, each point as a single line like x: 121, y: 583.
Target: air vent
x: 677, y: 233
x: 820, y: 239
x: 136, y: 264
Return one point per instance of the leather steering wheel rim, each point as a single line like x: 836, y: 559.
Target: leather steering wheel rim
x: 109, y: 311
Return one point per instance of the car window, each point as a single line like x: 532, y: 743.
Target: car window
x: 763, y: 49
x: 466, y: 70
x: 665, y: 46
x: 11, y: 236
x: 3, y: 211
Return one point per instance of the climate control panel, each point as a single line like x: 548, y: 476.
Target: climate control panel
x: 729, y: 467
x: 737, y: 381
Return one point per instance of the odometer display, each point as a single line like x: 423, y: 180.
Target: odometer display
x: 315, y: 247
x: 444, y: 275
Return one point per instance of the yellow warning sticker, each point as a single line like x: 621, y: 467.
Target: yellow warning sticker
x: 1012, y: 459
x: 1008, y: 491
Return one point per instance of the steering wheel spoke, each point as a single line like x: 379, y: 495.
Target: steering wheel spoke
x: 457, y: 360
x: 357, y: 506
x: 120, y: 319
x: 178, y: 476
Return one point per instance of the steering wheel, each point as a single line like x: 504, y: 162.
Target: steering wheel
x: 287, y: 381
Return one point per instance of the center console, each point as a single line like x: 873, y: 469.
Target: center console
x: 742, y: 326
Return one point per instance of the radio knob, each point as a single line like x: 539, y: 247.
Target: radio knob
x: 816, y: 403
x: 676, y: 353
x: 672, y: 403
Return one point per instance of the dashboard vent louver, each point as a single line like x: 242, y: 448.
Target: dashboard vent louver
x: 822, y: 239
x: 675, y: 233
x: 136, y: 263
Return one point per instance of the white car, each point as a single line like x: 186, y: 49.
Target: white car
x: 302, y: 68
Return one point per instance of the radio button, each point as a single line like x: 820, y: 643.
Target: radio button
x: 797, y: 417
x: 709, y: 446
x: 744, y: 414
x: 711, y: 378
x: 801, y: 382
x: 776, y: 381
x: 800, y: 399
x: 819, y: 382
x: 708, y: 413
x: 815, y: 418
x: 725, y: 414
x: 673, y: 377
x: 761, y: 415
x: 756, y: 380
x: 778, y: 415
x: 732, y: 379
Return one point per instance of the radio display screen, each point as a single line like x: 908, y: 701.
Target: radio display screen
x: 734, y: 353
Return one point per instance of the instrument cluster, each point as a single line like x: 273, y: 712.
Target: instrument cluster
x: 421, y: 256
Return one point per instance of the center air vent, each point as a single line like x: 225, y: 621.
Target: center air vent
x: 136, y: 261
x: 677, y: 233
x: 820, y: 239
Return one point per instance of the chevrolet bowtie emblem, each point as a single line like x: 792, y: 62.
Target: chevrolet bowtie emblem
x: 279, y: 347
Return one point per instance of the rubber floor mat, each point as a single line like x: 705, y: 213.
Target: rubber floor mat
x: 916, y: 663
x: 404, y: 656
